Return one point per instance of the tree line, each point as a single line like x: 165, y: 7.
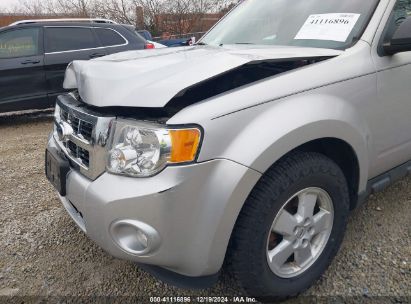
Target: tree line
x: 157, y: 16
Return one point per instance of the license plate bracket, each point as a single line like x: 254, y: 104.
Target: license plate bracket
x: 57, y: 169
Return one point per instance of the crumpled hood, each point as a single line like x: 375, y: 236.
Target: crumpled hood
x: 151, y: 78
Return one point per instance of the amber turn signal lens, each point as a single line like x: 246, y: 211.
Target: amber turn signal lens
x: 185, y: 145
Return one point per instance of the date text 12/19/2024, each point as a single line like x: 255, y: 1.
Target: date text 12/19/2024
x: 202, y: 300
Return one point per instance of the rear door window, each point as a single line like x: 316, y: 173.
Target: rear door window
x: 63, y: 39
x: 109, y: 37
x: 19, y: 43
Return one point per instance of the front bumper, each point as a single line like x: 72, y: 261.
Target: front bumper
x: 193, y: 209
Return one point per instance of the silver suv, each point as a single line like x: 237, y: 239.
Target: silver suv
x: 250, y: 147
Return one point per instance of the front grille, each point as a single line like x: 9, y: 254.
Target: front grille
x: 82, y: 128
x: 79, y: 153
x: 82, y: 134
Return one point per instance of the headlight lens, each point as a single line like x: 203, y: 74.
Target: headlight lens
x: 140, y: 149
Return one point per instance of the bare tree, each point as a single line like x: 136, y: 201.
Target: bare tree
x: 174, y: 16
x: 153, y: 9
x: 180, y: 16
x: 33, y: 8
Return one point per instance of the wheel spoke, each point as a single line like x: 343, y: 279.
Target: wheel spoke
x: 285, y: 223
x: 280, y: 254
x: 306, y: 204
x: 322, y: 221
x: 303, y: 256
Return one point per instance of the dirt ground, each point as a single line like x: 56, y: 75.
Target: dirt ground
x: 43, y: 254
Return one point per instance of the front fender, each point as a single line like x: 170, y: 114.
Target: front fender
x: 258, y: 137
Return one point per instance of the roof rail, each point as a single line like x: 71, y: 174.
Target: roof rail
x: 88, y: 20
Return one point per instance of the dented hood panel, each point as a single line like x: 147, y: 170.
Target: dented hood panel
x: 151, y: 78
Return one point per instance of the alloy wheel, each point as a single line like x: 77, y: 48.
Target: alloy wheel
x: 300, y: 232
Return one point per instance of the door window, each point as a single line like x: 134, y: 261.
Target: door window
x: 401, y: 11
x: 109, y: 37
x: 19, y: 43
x: 62, y: 39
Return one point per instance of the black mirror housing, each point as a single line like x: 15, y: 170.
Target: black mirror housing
x: 401, y: 40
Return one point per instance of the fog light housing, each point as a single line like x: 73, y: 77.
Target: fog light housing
x: 135, y: 237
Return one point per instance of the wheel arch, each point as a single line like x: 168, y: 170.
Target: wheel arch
x: 336, y: 139
x: 343, y: 155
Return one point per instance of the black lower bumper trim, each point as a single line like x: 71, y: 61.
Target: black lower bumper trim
x: 179, y: 280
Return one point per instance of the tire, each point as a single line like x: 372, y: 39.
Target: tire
x: 254, y: 242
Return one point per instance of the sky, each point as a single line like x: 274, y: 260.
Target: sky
x: 8, y: 3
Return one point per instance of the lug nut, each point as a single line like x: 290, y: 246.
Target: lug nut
x: 311, y: 231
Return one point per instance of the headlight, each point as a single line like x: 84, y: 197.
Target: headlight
x: 140, y: 149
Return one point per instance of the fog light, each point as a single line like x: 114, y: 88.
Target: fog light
x: 142, y: 238
x: 135, y: 237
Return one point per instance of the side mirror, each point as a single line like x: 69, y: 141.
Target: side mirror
x: 401, y: 40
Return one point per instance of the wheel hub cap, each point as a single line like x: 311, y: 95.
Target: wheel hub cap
x: 300, y: 232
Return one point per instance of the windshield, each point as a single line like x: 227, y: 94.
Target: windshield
x: 334, y: 24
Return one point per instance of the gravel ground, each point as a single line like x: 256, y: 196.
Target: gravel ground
x: 43, y: 253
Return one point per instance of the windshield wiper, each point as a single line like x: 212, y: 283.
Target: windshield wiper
x: 239, y: 43
x: 201, y: 43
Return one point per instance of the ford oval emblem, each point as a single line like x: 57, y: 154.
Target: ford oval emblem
x: 64, y: 131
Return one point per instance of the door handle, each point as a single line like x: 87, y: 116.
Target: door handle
x: 97, y: 55
x: 30, y: 62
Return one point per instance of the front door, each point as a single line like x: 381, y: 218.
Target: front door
x: 393, y: 136
x: 22, y: 75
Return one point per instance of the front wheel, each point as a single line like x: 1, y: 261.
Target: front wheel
x: 291, y: 227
